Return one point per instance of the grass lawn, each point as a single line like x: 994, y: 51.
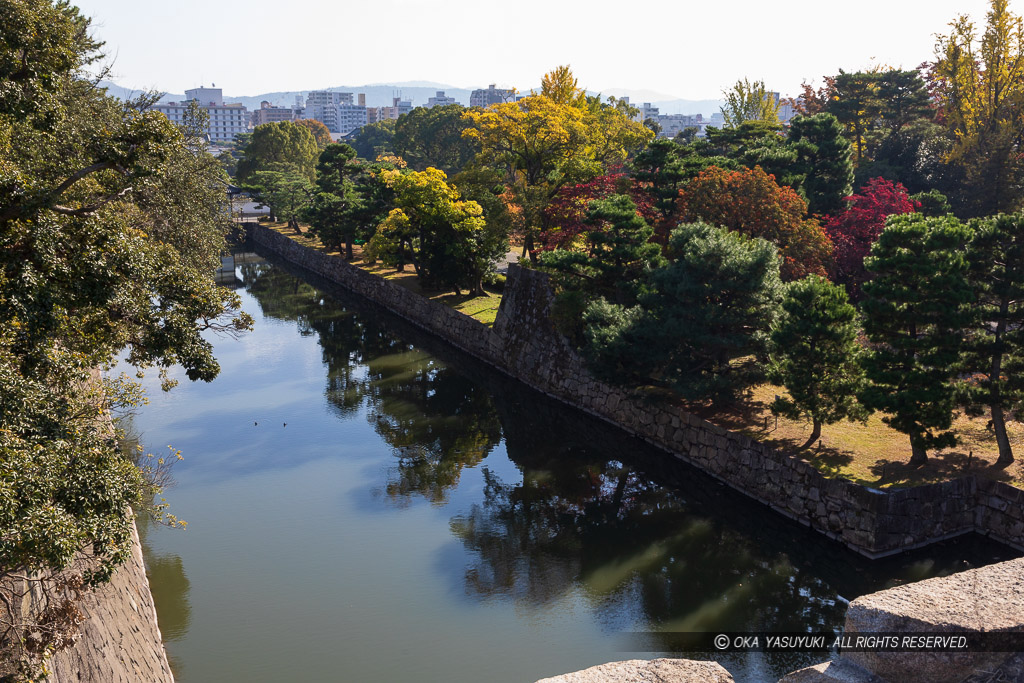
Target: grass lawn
x: 874, y: 454
x: 482, y: 308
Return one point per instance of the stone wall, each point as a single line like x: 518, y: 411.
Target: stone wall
x: 120, y: 640
x: 525, y: 344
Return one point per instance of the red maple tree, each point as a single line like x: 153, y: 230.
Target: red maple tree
x: 567, y: 212
x: 854, y: 230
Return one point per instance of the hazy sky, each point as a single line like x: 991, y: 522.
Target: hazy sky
x: 690, y: 50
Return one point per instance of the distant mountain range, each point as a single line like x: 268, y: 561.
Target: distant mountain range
x: 381, y: 94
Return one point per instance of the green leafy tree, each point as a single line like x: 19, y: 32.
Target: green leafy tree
x: 281, y: 142
x: 89, y: 269
x: 995, y: 349
x: 661, y: 165
x: 856, y: 105
x: 823, y: 160
x: 904, y: 99
x: 755, y: 143
x: 917, y: 306
x: 815, y: 355
x: 703, y: 327
x: 712, y: 307
x: 433, y: 138
x: 747, y: 101
x: 436, y: 230
x: 375, y: 139
x: 186, y: 209
x: 914, y: 156
x: 931, y: 203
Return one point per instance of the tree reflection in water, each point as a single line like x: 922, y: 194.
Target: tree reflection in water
x: 649, y: 543
x: 437, y: 420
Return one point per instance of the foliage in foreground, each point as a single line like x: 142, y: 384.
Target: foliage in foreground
x: 111, y: 221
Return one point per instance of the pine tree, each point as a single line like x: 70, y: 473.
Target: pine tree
x: 331, y: 212
x: 618, y: 255
x: 916, y: 307
x: 815, y: 355
x: 824, y: 159
x: 995, y: 350
x: 707, y: 321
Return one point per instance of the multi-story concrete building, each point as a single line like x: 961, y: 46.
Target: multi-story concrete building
x: 673, y: 124
x: 269, y: 114
x: 397, y: 108
x: 226, y: 120
x: 322, y: 105
x: 787, y: 110
x: 648, y: 111
x: 440, y: 100
x: 492, y: 95
x: 351, y: 117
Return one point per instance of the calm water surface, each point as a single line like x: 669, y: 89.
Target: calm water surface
x: 365, y: 505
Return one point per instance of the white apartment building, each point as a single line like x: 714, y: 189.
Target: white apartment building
x: 492, y: 95
x: 673, y: 124
x: 226, y: 120
x: 322, y: 105
x: 440, y: 100
x: 648, y: 111
x: 351, y: 117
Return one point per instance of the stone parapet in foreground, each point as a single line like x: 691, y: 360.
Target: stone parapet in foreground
x: 648, y: 671
x: 985, y: 600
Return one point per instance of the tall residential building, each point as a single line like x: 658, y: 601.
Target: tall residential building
x: 492, y: 95
x: 397, y: 108
x: 440, y: 100
x: 269, y: 114
x: 322, y: 105
x: 787, y: 110
x: 351, y: 117
x: 226, y: 120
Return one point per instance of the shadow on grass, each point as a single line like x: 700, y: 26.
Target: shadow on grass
x: 941, y: 466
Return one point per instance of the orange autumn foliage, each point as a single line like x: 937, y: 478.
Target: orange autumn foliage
x: 751, y: 202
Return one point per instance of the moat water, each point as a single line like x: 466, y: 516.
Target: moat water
x: 365, y: 504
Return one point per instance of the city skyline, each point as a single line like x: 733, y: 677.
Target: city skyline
x: 692, y: 53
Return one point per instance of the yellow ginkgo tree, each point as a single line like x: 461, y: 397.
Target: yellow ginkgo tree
x: 981, y: 85
x: 549, y: 139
